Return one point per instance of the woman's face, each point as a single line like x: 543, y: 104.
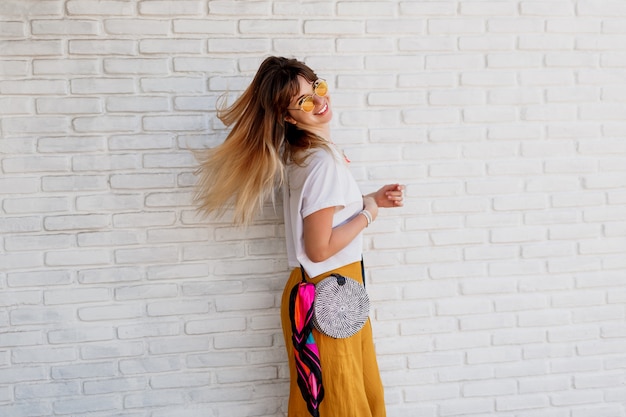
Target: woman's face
x: 321, y: 113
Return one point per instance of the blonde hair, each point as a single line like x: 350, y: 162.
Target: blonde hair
x: 243, y: 172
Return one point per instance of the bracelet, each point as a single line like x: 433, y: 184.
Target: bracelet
x: 367, y: 215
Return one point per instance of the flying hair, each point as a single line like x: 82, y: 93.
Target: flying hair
x: 243, y: 172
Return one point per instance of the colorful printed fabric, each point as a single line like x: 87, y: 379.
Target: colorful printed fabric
x: 305, y: 350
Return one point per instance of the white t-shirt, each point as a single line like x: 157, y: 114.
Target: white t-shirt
x: 325, y: 181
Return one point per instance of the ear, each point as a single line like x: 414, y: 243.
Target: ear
x: 290, y: 119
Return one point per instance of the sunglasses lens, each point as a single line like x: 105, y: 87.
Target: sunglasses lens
x: 321, y: 88
x: 307, y: 104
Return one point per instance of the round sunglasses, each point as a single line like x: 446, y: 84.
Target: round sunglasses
x: 307, y: 103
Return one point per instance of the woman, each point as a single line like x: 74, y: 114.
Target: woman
x: 281, y: 136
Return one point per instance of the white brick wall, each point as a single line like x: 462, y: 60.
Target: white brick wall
x: 499, y: 290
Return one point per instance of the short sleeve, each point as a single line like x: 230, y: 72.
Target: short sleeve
x: 323, y: 187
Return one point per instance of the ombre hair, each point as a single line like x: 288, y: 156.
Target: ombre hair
x: 243, y: 172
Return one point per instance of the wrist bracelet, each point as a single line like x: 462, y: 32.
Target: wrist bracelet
x: 368, y: 216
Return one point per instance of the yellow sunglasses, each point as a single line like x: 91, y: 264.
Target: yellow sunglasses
x: 307, y: 103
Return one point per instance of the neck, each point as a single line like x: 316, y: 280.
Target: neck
x: 322, y: 133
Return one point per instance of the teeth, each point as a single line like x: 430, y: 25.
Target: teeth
x: 322, y: 110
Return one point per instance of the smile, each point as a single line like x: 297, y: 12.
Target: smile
x: 322, y: 110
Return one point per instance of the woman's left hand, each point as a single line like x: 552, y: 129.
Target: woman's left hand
x: 390, y: 195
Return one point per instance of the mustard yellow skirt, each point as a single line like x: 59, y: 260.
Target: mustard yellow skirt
x: 350, y: 374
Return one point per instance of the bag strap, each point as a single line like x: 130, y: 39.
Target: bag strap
x: 362, y: 272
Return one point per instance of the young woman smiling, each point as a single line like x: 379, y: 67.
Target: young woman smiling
x: 280, y: 136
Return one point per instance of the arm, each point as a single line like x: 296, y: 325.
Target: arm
x: 321, y: 240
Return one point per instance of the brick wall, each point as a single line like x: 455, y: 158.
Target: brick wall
x: 499, y: 290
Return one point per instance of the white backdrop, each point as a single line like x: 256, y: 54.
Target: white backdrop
x: 499, y: 290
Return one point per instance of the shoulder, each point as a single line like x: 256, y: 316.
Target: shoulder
x: 312, y: 159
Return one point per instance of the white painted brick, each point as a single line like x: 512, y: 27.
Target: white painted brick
x: 518, y: 336
x: 21, y: 260
x: 428, y: 393
x: 224, y: 7
x: 40, y: 316
x: 31, y: 47
x: 514, y: 25
x: 146, y: 292
x: 146, y: 254
x: 142, y: 181
x: 86, y: 404
x: 112, y: 312
x: 521, y: 402
x: 493, y: 186
x: 176, y: 123
x: 64, y: 27
x: 358, y: 8
x: 137, y: 104
x: 466, y: 405
x: 492, y: 219
x: 77, y: 257
x: 512, y: 155
x: 424, y: 44
x: 126, y: 220
x: 608, y: 410
x: 246, y: 45
x: 489, y: 388
x: 117, y: 350
x: 486, y: 253
x: 153, y: 399
x: 12, y: 29
x: 171, y: 8
x: 216, y: 27
x: 434, y: 79
x: 529, y: 368
x: 14, y: 67
x: 26, y: 374
x: 552, y: 8
x: 486, y: 43
x: 520, y: 234
x: 428, y: 9
x: 43, y: 355
x: 515, y: 96
x: 167, y: 308
x: 102, y: 85
x: 108, y: 386
x: 65, y: 66
x: 111, y: 7
x: 37, y: 279
x: 489, y: 114
x: 455, y: 26
x: 20, y: 224
x: 50, y: 125
x: 16, y: 105
x: 526, y: 202
x: 106, y: 124
x: 428, y: 326
x: 492, y: 355
x: 482, y: 322
x: 102, y: 47
x: 85, y: 295
x: 117, y: 274
x: 73, y: 222
x: 577, y: 397
x: 452, y: 62
x: 80, y: 334
x: 136, y: 27
x: 50, y: 389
